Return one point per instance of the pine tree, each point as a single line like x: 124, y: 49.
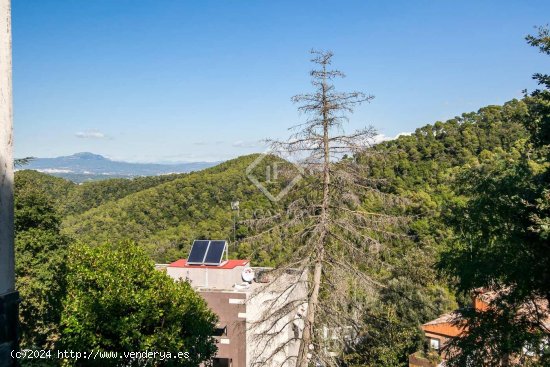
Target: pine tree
x: 336, y: 231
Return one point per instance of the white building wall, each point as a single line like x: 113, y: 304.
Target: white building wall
x: 269, y: 331
x: 208, y: 277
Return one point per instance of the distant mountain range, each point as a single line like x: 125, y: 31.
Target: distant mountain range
x: 87, y: 166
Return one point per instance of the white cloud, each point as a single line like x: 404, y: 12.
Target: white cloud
x: 186, y: 158
x: 91, y: 134
x: 381, y: 137
x: 54, y: 170
x: 246, y: 144
x: 402, y: 134
x: 201, y: 143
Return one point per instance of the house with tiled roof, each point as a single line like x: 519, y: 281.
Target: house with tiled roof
x: 440, y: 331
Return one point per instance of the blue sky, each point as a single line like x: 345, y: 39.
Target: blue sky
x: 174, y: 80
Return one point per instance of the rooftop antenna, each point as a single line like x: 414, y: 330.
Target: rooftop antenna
x: 236, y: 211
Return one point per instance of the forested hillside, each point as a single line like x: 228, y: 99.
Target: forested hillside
x: 71, y: 198
x: 424, y: 165
x: 166, y: 218
x: 420, y: 161
x: 165, y: 213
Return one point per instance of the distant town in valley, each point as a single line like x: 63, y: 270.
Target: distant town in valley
x: 86, y: 166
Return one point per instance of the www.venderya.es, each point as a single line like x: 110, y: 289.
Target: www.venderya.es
x: 97, y: 354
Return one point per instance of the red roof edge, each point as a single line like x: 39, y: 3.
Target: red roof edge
x: 230, y: 264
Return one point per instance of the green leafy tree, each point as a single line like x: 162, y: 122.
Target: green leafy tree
x: 385, y: 343
x: 502, y: 243
x: 117, y: 301
x: 40, y: 268
x: 539, y: 101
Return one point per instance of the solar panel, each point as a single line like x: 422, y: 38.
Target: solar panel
x: 198, y: 252
x: 215, y: 253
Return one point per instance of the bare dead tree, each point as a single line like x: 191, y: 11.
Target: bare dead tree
x: 335, y: 234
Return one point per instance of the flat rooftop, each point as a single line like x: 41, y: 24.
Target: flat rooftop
x: 229, y: 264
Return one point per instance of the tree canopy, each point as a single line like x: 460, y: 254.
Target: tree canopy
x: 41, y: 252
x: 501, y: 242
x: 117, y: 301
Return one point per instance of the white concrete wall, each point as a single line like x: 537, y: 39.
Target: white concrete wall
x: 261, y: 308
x: 7, y: 268
x: 262, y: 300
x: 208, y: 277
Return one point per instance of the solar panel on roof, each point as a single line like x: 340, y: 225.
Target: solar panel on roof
x: 198, y: 252
x: 215, y: 253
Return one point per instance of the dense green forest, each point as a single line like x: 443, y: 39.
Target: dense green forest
x: 424, y: 165
x: 422, y: 160
x: 71, y: 198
